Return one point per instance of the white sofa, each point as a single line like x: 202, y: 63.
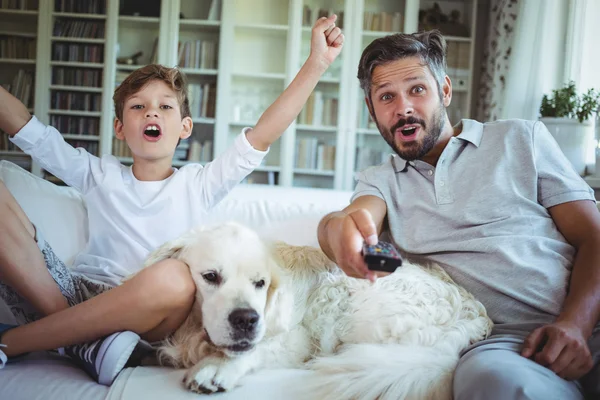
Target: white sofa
x: 289, y: 214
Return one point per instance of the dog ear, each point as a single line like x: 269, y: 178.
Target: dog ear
x: 278, y: 310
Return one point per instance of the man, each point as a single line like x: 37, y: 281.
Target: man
x: 498, y: 206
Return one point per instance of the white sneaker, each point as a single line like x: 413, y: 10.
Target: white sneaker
x: 104, y: 358
x: 3, y: 357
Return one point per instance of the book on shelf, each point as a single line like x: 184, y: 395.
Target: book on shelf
x: 83, y: 77
x: 77, y: 101
x: 382, y: 21
x: 197, y: 54
x: 18, y: 4
x: 200, y: 152
x: 310, y: 15
x: 17, y: 47
x: 202, y: 98
x: 74, y: 125
x: 80, y: 7
x: 21, y: 87
x: 312, y: 153
x: 214, y: 11
x: 73, y: 52
x: 77, y: 28
x: 321, y: 109
x: 120, y: 148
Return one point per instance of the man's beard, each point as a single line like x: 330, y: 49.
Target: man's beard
x: 417, y: 149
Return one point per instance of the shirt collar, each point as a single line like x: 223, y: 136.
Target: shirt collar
x: 471, y: 131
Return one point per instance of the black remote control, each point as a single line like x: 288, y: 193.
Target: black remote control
x: 381, y: 257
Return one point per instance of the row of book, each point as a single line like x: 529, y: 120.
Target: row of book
x: 74, y: 125
x: 383, y: 21
x: 78, y: 101
x: 19, y: 4
x: 80, y: 7
x: 458, y: 55
x: 17, y: 47
x: 21, y: 87
x: 310, y: 16
x: 202, y: 98
x: 200, y: 151
x: 90, y: 53
x: 78, y: 28
x: 77, y: 77
x: 120, y: 149
x: 321, y: 109
x: 364, y: 119
x: 197, y: 54
x: 312, y: 153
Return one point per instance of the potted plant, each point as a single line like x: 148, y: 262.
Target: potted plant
x: 568, y: 117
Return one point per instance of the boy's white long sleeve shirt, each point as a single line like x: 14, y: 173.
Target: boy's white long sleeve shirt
x: 129, y: 218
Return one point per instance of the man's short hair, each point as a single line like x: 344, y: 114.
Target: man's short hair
x: 429, y: 46
x: 139, y: 78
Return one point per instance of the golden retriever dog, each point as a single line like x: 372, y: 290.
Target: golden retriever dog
x: 271, y: 305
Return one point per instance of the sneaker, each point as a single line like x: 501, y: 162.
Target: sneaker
x: 3, y: 357
x: 106, y: 357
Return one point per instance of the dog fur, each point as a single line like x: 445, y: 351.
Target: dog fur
x: 397, y: 338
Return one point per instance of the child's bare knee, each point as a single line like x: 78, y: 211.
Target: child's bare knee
x: 174, y: 281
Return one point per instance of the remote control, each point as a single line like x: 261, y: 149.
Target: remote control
x: 381, y: 257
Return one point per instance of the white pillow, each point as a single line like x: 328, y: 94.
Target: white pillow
x: 58, y: 211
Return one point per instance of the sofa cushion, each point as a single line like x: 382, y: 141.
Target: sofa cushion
x: 58, y: 211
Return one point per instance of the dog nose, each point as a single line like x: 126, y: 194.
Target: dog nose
x: 243, y: 319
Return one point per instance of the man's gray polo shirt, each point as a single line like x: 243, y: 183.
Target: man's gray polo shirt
x: 482, y: 215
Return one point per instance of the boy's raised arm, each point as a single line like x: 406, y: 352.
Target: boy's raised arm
x: 13, y: 113
x: 326, y: 43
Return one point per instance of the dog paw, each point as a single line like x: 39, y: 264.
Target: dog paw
x: 210, y: 378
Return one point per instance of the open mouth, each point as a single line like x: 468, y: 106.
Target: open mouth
x: 152, y: 132
x: 408, y: 133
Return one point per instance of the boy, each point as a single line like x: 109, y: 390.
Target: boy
x: 131, y: 211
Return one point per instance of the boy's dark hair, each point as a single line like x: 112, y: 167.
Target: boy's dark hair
x: 430, y: 46
x: 139, y: 78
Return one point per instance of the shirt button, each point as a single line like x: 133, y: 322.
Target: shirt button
x: 430, y: 172
x: 442, y: 183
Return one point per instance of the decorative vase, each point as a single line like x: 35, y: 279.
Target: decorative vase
x: 573, y: 137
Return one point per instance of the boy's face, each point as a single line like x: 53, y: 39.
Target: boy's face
x: 407, y: 108
x: 152, y: 123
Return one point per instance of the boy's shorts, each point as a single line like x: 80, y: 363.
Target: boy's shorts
x: 74, y: 286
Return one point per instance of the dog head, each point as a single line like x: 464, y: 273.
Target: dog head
x: 237, y: 285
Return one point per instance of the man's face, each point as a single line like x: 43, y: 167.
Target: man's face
x: 407, y: 108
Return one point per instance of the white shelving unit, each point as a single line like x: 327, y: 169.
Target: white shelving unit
x: 240, y: 56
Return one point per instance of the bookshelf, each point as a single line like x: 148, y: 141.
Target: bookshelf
x: 18, y: 47
x: 238, y: 56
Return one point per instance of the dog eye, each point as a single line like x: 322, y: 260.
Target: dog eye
x: 259, y: 284
x: 211, y: 277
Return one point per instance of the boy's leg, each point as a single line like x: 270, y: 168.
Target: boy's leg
x: 153, y: 304
x: 22, y: 264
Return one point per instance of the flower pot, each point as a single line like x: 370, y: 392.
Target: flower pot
x: 573, y: 138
